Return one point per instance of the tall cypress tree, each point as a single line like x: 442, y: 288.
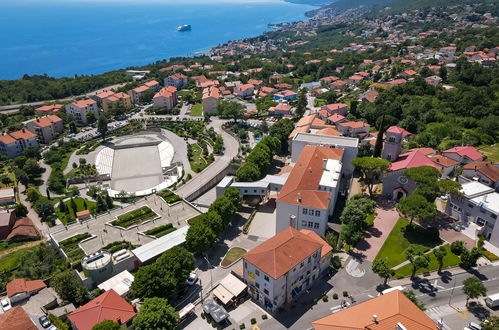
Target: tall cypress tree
x: 378, y: 147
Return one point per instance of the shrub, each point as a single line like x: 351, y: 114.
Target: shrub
x: 253, y: 321
x: 314, y: 301
x: 242, y: 326
x: 324, y: 298
x: 345, y: 293
x: 335, y: 296
x: 264, y: 316
x: 457, y: 247
x: 336, y: 262
x: 203, y: 316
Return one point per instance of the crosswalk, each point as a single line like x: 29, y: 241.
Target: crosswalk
x: 434, y: 312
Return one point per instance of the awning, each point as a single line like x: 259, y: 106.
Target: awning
x: 223, y: 294
x: 229, y: 288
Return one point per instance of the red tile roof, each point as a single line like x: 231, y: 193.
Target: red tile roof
x: 443, y: 161
x: 336, y: 118
x: 7, y: 139
x: 19, y: 285
x: 301, y: 186
x: 16, y: 319
x: 398, y: 130
x: 326, y: 248
x: 107, y: 306
x: 22, y: 134
x: 84, y: 103
x: 104, y: 94
x: 425, y: 151
x: 46, y: 121
x: 282, y: 252
x: 488, y: 169
x: 468, y: 151
x: 151, y: 83
x: 50, y: 107
x: 390, y: 309
x: 412, y: 159
x: 328, y: 131
x: 23, y: 227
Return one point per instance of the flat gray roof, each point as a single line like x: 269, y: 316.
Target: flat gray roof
x: 327, y: 139
x: 158, y: 246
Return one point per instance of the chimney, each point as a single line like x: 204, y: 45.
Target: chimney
x: 375, y: 318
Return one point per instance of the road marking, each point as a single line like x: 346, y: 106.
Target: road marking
x: 463, y: 314
x: 436, y: 286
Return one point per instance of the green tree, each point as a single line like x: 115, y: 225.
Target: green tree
x: 371, y: 169
x: 147, y: 96
x: 232, y: 110
x: 200, y: 237
x: 281, y: 130
x: 62, y: 206
x: 69, y: 288
x: 301, y: 104
x: 91, y: 119
x: 235, y: 196
x: 272, y: 142
x: 412, y: 297
x: 378, y: 146
x: 417, y: 258
x: 491, y: 323
x: 473, y: 288
x: 440, y: 254
x: 224, y: 207
x: 102, y: 126
x: 21, y: 210
x: 156, y: 313
x: 108, y: 200
x: 248, y: 172
x: 32, y: 194
x: 416, y: 207
x: 469, y: 258
x: 380, y: 268
x: 44, y: 208
x: 73, y: 205
x: 107, y: 325
x: 214, y: 221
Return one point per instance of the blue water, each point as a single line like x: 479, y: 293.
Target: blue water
x: 89, y: 37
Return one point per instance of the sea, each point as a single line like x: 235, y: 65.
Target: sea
x: 81, y: 37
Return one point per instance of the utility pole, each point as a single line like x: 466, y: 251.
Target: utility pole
x: 452, y: 292
x: 211, y: 272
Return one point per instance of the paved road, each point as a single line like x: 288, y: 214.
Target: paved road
x: 17, y: 106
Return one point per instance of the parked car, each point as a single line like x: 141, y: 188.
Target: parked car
x: 5, y: 304
x: 191, y: 279
x: 44, y: 321
x: 473, y: 326
x: 52, y: 327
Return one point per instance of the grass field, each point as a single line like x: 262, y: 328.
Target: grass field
x: 393, y: 250
x: 72, y: 249
x: 450, y: 260
x: 5, y: 245
x: 71, y: 215
x: 134, y: 217
x: 169, y: 196
x: 161, y: 230
x: 492, y: 152
x: 11, y: 260
x: 197, y: 163
x: 197, y: 110
x: 232, y: 255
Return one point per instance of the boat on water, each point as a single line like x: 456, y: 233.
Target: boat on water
x: 185, y: 27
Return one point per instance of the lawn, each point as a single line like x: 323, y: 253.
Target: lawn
x: 197, y: 110
x: 119, y: 245
x: 5, y: 245
x: 492, y: 152
x: 197, y: 163
x: 134, y: 217
x: 11, y: 260
x: 169, y: 196
x: 393, y: 250
x: 232, y: 256
x: 161, y: 230
x: 71, y: 215
x: 450, y: 260
x: 72, y: 249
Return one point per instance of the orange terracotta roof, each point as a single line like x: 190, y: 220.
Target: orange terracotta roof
x: 336, y: 118
x: 19, y: 285
x: 151, y: 83
x: 46, y: 121
x: 178, y: 76
x: 104, y: 94
x: 107, y: 306
x: 211, y: 92
x: 141, y: 89
x: 319, y: 123
x: 488, y: 169
x: 328, y: 131
x: 23, y: 227
x: 425, y: 151
x: 301, y: 129
x: 22, y: 134
x: 354, y: 124
x: 16, y: 319
x: 50, y: 107
x: 443, y: 161
x: 334, y: 106
x: 84, y: 103
x: 244, y: 87
x: 307, y: 120
x: 390, y: 309
x: 282, y: 252
x: 301, y: 185
x: 326, y: 248
x: 7, y: 139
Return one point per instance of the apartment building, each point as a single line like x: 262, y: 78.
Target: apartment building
x: 166, y: 98
x: 284, y: 266
x: 137, y: 93
x: 46, y: 128
x: 80, y: 110
x: 211, y: 99
x: 13, y: 144
x: 177, y: 80
x: 117, y: 101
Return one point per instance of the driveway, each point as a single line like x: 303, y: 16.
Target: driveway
x: 263, y: 224
x: 372, y: 242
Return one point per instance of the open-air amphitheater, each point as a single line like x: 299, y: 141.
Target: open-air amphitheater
x: 138, y: 164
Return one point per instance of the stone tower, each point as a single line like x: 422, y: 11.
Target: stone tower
x: 393, y: 143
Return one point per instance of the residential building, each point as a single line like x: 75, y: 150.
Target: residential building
x: 49, y: 108
x: 280, y: 110
x: 153, y: 85
x: 448, y: 165
x: 46, y: 128
x: 389, y: 311
x: 137, y: 93
x: 166, y: 98
x: 19, y: 289
x: 478, y: 204
x: 177, y: 80
x: 7, y: 195
x: 464, y: 154
x: 339, y: 108
x: 284, y: 266
x: 7, y: 220
x: 13, y: 144
x: 23, y: 230
x: 107, y: 306
x: 16, y: 319
x: 285, y: 95
x: 244, y: 91
x: 353, y: 128
x: 80, y: 111
x: 309, y: 195
x: 210, y: 100
x: 98, y: 97
x: 483, y: 172
x: 117, y: 101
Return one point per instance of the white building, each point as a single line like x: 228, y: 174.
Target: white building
x: 309, y: 195
x: 283, y: 267
x: 81, y: 109
x: 14, y: 143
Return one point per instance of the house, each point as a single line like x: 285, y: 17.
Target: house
x: 255, y: 82
x: 19, y: 289
x: 449, y: 51
x: 107, y: 306
x: 13, y: 144
x: 484, y: 172
x: 210, y: 100
x: 177, y: 80
x: 433, y: 80
x: 464, y: 155
x: 244, y: 91
x: 23, y: 230
x: 286, y: 95
x: 339, y: 108
x: 46, y: 128
x: 408, y: 74
x: 16, y: 319
x: 355, y: 79
x: 284, y: 266
x: 230, y: 85
x: 49, y: 108
x: 166, y: 98
x: 80, y: 110
x: 477, y: 204
x: 338, y: 85
x: 266, y: 91
x: 353, y: 128
x: 7, y: 195
x: 369, y: 96
x: 336, y: 119
x: 308, y: 197
x: 7, y: 220
x: 83, y: 215
x: 280, y: 110
x: 448, y: 165
x: 117, y: 101
x: 389, y: 311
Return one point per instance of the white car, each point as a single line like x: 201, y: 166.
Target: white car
x: 191, y: 279
x: 5, y: 304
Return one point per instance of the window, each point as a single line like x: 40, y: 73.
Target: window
x: 471, y: 206
x: 254, y: 190
x: 266, y: 291
x: 315, y: 267
x: 266, y: 278
x: 257, y: 285
x: 301, y: 277
x: 317, y: 213
x: 310, y: 224
x: 316, y: 225
x: 309, y: 259
x: 246, y: 190
x: 305, y: 211
x: 257, y: 272
x: 315, y: 255
x: 301, y: 265
x: 303, y: 223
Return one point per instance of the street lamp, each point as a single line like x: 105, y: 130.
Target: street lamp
x: 211, y: 272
